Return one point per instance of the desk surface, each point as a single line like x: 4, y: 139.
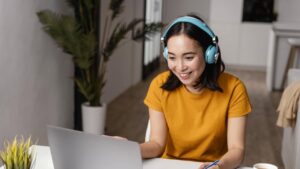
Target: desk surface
x: 160, y: 163
x: 44, y: 161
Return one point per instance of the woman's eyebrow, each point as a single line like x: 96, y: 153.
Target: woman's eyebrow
x: 186, y: 53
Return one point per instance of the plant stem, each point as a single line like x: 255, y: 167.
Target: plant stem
x: 104, y: 34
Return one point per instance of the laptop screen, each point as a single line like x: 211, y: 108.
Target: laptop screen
x: 72, y: 149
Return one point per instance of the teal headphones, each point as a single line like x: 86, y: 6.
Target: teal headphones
x: 211, y: 53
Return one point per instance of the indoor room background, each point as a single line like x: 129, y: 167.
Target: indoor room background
x: 35, y: 85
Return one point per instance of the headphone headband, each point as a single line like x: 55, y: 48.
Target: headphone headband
x: 211, y: 53
x: 194, y: 21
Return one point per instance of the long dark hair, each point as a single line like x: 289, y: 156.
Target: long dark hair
x: 211, y: 73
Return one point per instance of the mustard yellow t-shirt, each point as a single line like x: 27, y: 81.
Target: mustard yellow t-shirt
x: 197, y: 123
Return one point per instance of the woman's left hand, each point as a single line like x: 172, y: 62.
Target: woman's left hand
x: 205, y: 164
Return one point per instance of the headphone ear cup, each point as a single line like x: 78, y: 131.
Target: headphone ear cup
x: 210, y: 54
x: 165, y: 53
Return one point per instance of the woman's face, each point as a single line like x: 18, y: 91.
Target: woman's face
x: 185, y: 59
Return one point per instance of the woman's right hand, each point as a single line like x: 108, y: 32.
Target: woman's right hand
x: 205, y: 164
x: 116, y: 137
x: 119, y: 137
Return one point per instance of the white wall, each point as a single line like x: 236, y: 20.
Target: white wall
x: 229, y: 11
x: 124, y: 68
x: 35, y: 88
x: 288, y: 11
x: 242, y: 43
x: 253, y: 45
x: 224, y: 19
x: 176, y: 8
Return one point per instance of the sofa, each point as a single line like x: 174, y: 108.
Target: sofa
x: 290, y: 150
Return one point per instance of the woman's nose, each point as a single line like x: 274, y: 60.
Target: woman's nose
x: 181, y: 65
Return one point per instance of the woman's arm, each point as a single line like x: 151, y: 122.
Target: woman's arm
x: 155, y: 146
x: 235, y: 143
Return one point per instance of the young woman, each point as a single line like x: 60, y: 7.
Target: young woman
x: 197, y: 111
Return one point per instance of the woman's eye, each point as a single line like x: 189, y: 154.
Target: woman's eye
x: 171, y: 58
x: 189, y: 57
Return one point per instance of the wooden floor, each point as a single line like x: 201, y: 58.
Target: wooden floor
x: 127, y: 116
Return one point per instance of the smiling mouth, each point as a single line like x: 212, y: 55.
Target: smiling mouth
x: 184, y: 75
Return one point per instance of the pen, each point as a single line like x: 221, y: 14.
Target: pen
x: 212, y: 164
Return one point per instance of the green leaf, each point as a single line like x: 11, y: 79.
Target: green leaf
x: 72, y: 3
x: 16, y: 154
x: 77, y: 36
x: 147, y: 31
x: 116, y: 6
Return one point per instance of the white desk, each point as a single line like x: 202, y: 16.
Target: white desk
x: 160, y: 163
x: 44, y: 161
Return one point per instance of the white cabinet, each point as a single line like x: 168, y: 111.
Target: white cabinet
x: 229, y: 35
x: 243, y: 44
x: 229, y: 11
x: 254, y: 39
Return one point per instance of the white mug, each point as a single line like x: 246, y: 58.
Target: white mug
x: 264, y: 166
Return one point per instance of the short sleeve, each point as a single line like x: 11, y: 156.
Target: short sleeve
x: 239, y: 104
x: 153, y: 98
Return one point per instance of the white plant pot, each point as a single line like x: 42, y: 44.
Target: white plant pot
x: 93, y: 118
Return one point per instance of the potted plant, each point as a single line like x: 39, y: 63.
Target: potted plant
x: 78, y: 36
x: 17, y: 154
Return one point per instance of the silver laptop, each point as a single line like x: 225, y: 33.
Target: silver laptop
x: 72, y: 149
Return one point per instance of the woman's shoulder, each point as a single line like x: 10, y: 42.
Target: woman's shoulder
x: 158, y: 81
x: 229, y: 76
x: 161, y: 77
x: 229, y: 80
